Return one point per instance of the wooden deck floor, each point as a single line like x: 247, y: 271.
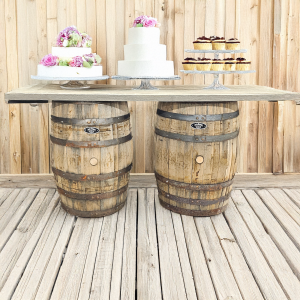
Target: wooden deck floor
x: 146, y: 252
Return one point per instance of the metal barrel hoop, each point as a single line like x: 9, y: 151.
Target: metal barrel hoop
x: 93, y: 197
x: 91, y: 144
x: 87, y: 122
x: 197, y: 138
x: 195, y: 118
x: 93, y: 177
x: 194, y: 186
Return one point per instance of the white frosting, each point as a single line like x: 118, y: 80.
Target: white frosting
x: 146, y: 68
x: 145, y: 52
x: 70, y: 51
x: 143, y: 35
x: 62, y: 71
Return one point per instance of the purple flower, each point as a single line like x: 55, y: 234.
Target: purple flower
x: 86, y: 40
x: 65, y: 34
x: 76, y: 61
x: 151, y: 22
x: 49, y: 60
x: 145, y: 21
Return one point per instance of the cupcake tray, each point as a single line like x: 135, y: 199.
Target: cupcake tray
x: 145, y: 81
x: 73, y: 82
x: 216, y: 85
x: 216, y: 51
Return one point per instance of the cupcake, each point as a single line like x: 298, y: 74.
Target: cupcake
x: 218, y: 43
x: 217, y: 65
x: 203, y: 64
x: 202, y: 43
x: 189, y: 64
x: 229, y: 64
x: 242, y: 64
x: 232, y: 44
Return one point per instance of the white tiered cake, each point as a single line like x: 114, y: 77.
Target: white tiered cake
x: 144, y: 56
x: 72, y: 57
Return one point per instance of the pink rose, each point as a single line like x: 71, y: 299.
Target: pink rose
x: 76, y: 61
x: 49, y: 60
x: 150, y: 22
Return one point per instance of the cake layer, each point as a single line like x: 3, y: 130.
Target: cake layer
x: 145, y: 68
x: 59, y: 71
x: 145, y: 52
x: 143, y: 35
x: 70, y: 51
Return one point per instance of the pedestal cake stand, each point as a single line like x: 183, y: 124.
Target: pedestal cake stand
x: 145, y: 81
x: 216, y: 85
x: 73, y: 83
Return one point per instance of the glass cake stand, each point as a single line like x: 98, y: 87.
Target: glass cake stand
x: 73, y: 82
x: 145, y: 81
x: 216, y: 85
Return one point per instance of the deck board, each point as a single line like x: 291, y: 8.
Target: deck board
x: 147, y: 252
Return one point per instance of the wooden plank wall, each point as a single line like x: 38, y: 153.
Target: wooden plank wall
x: 269, y: 29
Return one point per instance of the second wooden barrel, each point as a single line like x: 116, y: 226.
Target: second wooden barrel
x: 195, y: 157
x: 91, y: 156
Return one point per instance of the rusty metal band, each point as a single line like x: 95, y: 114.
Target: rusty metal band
x: 99, y: 177
x: 203, y: 202
x: 91, y: 144
x: 197, y: 138
x: 92, y: 214
x: 88, y: 122
x: 92, y: 197
x: 193, y: 186
x: 194, y: 213
x: 195, y: 118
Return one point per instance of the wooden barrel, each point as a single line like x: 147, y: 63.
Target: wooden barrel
x: 195, y: 158
x: 91, y: 156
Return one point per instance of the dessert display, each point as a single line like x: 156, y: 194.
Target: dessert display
x: 189, y: 64
x: 144, y: 56
x: 71, y: 57
x: 232, y: 44
x: 203, y: 64
x: 218, y: 43
x: 202, y: 43
x: 242, y: 64
x: 217, y: 65
x: 229, y: 64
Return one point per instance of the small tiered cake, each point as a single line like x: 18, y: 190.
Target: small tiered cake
x: 143, y: 55
x: 72, y: 57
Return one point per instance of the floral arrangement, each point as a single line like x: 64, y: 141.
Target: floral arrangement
x: 71, y: 37
x: 87, y: 61
x: 145, y: 21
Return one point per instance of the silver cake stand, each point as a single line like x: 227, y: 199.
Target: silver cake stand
x: 74, y: 82
x: 216, y: 85
x: 145, y: 81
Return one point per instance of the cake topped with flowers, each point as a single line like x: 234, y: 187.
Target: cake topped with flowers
x: 143, y: 54
x: 71, y: 56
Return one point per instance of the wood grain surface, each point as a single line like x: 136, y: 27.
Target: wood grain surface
x: 270, y: 133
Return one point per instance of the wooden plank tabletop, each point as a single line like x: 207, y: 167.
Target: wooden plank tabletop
x: 52, y: 92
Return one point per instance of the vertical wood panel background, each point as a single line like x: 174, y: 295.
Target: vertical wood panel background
x: 270, y: 132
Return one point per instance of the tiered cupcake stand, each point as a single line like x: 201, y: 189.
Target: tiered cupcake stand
x: 216, y: 85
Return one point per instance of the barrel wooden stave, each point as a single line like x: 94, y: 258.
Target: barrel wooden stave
x: 175, y: 159
x: 108, y: 159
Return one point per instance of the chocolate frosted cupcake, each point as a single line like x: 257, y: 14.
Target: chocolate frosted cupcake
x: 232, y: 44
x: 217, y: 65
x: 242, y: 64
x: 202, y: 43
x: 229, y: 64
x: 218, y: 43
x: 203, y: 64
x: 189, y: 64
